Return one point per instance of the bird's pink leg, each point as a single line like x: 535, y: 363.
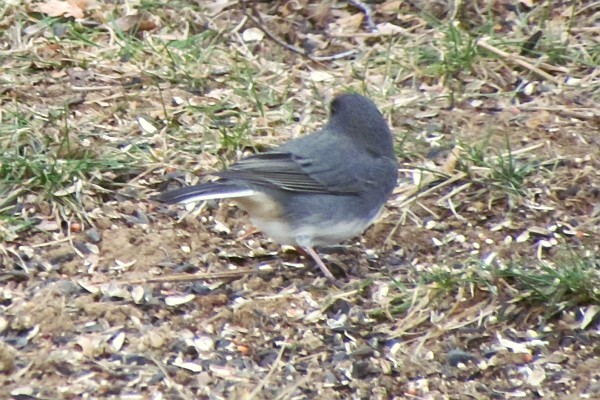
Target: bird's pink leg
x: 320, y: 263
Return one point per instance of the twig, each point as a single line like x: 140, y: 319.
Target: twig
x: 258, y: 21
x: 584, y: 114
x: 367, y: 11
x: 458, y: 11
x: 414, y: 194
x: 287, y: 391
x: 264, y: 381
x: 91, y: 88
x: 454, y: 192
x: 376, y: 34
x: 221, y: 314
x: 332, y: 57
x: 186, y: 277
x: 6, y: 250
x: 519, y: 60
x: 174, y: 384
x: 416, y: 190
x: 454, y: 212
x: 51, y: 243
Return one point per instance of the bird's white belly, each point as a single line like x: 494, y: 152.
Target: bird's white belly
x: 311, y: 235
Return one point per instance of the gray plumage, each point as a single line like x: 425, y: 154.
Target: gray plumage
x: 319, y: 189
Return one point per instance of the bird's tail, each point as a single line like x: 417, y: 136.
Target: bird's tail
x: 204, y: 191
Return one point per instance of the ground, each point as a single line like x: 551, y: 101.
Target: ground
x: 481, y: 279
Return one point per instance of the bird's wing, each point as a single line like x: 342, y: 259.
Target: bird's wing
x: 289, y: 171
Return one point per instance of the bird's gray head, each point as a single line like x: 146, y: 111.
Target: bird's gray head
x: 358, y: 117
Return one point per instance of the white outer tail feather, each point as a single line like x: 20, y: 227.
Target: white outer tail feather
x: 213, y: 196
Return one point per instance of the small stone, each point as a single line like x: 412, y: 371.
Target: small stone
x: 66, y: 287
x: 361, y: 369
x: 93, y: 235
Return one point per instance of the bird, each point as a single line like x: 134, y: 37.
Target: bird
x: 316, y: 190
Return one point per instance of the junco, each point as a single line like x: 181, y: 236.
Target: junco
x: 320, y: 189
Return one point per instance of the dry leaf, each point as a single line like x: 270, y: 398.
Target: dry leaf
x: 146, y: 126
x: 215, y: 7
x: 74, y: 188
x: 57, y: 8
x: 155, y: 339
x: 390, y: 7
x: 350, y: 23
x: 536, y: 376
x: 320, y: 76
x: 319, y: 12
x: 528, y: 3
x: 114, y: 290
x: 390, y: 29
x: 137, y: 23
x: 91, y: 346
x: 126, y: 22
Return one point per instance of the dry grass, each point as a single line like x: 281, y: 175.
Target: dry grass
x: 480, y: 280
